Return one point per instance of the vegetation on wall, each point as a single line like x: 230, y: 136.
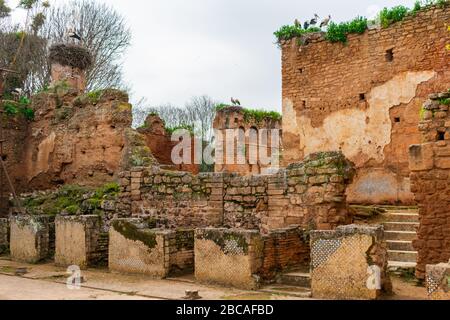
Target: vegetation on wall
x: 18, y: 108
x: 257, y: 115
x: 71, y: 199
x: 337, y: 32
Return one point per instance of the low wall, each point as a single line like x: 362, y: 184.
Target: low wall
x: 4, y: 235
x: 438, y: 281
x: 135, y: 248
x: 80, y: 241
x: 30, y: 238
x: 228, y: 257
x: 310, y: 194
x: 430, y: 183
x: 284, y: 250
x: 349, y: 263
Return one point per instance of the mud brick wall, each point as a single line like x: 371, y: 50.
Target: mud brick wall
x: 284, y: 249
x: 343, y: 263
x: 364, y: 98
x: 136, y: 248
x: 310, y: 194
x: 80, y: 241
x: 245, y: 201
x: 228, y: 257
x: 173, y: 199
x: 438, y: 281
x: 30, y: 238
x: 4, y: 235
x: 430, y: 179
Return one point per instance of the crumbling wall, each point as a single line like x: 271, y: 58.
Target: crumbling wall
x: 4, y: 236
x: 80, y: 241
x: 228, y: 257
x: 173, y: 199
x: 310, y: 194
x: 159, y: 140
x: 30, y: 238
x: 353, y: 97
x: 137, y: 248
x: 438, y: 281
x: 284, y: 250
x: 349, y: 263
x: 430, y: 179
x: 254, y: 135
x: 75, y: 139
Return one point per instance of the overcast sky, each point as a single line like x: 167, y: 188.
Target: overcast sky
x: 221, y: 48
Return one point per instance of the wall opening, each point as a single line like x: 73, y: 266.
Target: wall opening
x: 397, y: 120
x: 362, y: 96
x: 300, y: 70
x: 390, y: 55
x: 441, y: 136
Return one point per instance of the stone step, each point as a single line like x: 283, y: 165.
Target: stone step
x: 298, y: 279
x: 400, y: 265
x: 396, y: 245
x: 285, y: 290
x: 400, y: 235
x: 403, y: 256
x: 401, y: 226
x: 402, y: 217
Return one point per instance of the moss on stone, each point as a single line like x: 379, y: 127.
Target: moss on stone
x: 221, y: 239
x: 132, y: 232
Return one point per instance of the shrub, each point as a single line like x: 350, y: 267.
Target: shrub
x: 338, y: 32
x: 289, y: 32
x: 390, y: 16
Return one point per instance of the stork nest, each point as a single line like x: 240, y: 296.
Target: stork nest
x: 71, y: 55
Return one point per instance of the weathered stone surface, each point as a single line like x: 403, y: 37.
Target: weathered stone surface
x: 438, y: 281
x: 329, y: 105
x: 30, y: 239
x: 349, y: 263
x: 4, y: 235
x: 80, y: 241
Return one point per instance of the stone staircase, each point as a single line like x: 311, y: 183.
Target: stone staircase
x: 401, y: 225
x: 295, y: 283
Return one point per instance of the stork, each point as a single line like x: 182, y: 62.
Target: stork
x: 325, y: 22
x: 235, y: 102
x: 306, y: 25
x: 297, y: 23
x: 73, y: 35
x: 17, y: 92
x: 314, y: 20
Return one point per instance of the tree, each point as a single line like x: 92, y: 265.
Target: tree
x: 104, y: 33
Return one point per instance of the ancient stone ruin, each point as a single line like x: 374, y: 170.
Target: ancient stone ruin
x: 365, y: 127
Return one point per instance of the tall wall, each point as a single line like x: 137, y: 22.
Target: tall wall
x: 254, y: 134
x: 353, y: 97
x: 430, y: 177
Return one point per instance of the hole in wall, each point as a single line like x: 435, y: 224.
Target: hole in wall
x: 440, y: 136
x: 4, y: 157
x: 300, y: 70
x: 397, y: 120
x: 304, y: 103
x: 362, y: 96
x: 389, y: 55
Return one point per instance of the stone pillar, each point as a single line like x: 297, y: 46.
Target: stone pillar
x: 4, y: 231
x: 228, y: 257
x: 430, y: 183
x: 349, y: 263
x: 30, y: 238
x: 80, y: 241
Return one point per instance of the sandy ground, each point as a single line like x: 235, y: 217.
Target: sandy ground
x: 48, y: 282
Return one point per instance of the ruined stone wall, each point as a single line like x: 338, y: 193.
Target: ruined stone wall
x: 355, y: 98
x: 75, y: 139
x: 310, y: 194
x: 161, y: 145
x: 438, y: 281
x: 173, y: 199
x: 80, y: 241
x: 254, y: 134
x: 31, y: 238
x: 228, y: 257
x: 430, y: 179
x: 349, y: 263
x: 137, y: 248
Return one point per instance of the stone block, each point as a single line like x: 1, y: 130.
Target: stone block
x: 421, y: 157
